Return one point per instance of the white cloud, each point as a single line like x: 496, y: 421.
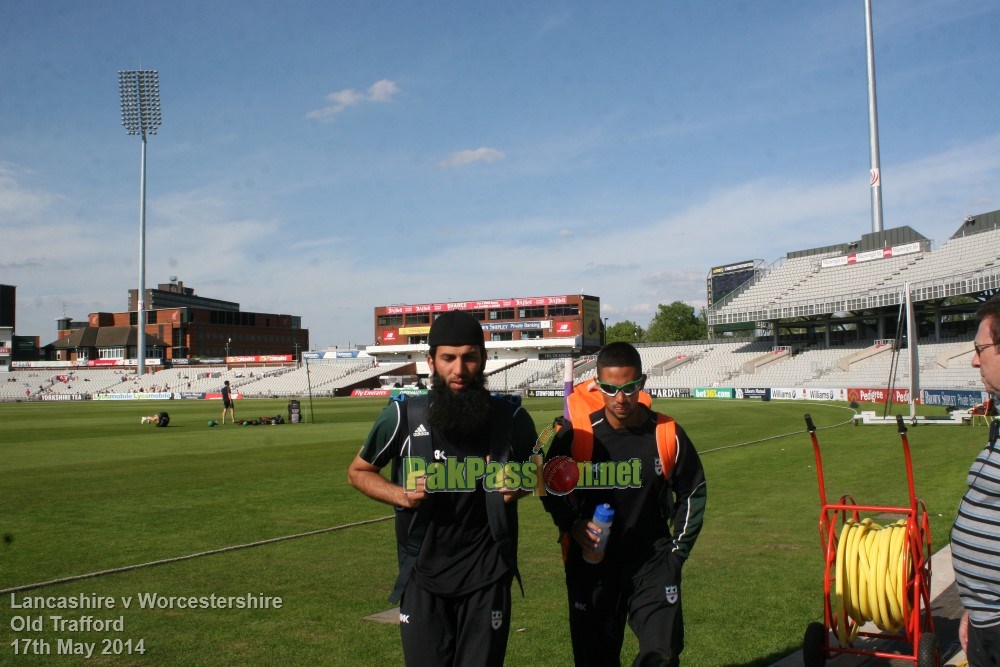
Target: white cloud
x: 225, y: 249
x: 18, y: 202
x: 383, y: 91
x: 380, y: 91
x: 460, y: 158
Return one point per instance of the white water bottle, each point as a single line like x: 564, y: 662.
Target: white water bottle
x: 603, y: 516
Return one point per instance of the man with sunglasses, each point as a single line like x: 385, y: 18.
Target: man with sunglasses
x: 975, y: 536
x: 655, y: 524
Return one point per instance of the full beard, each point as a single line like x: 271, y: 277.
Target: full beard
x: 462, y: 413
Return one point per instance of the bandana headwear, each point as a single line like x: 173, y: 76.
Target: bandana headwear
x: 457, y: 328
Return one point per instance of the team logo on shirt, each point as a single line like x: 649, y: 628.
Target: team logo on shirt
x: 672, y: 594
x: 497, y: 619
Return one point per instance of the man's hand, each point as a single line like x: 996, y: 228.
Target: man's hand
x: 368, y: 479
x: 963, y: 632
x: 411, y: 499
x: 512, y: 495
x: 509, y: 495
x: 587, y: 534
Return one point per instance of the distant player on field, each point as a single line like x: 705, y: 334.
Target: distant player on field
x: 159, y: 419
x: 227, y: 403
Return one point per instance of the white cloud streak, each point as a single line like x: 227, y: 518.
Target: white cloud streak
x: 227, y: 252
x: 381, y: 92
x: 462, y: 158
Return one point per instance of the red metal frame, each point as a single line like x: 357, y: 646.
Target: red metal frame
x: 918, y: 538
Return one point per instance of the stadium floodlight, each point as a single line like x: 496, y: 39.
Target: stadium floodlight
x: 875, y: 174
x: 140, y: 95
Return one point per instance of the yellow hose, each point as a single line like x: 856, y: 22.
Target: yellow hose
x: 871, y: 571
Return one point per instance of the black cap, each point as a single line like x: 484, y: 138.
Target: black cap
x: 456, y: 327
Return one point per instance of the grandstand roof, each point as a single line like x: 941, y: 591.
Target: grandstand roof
x: 869, y: 275
x: 103, y: 337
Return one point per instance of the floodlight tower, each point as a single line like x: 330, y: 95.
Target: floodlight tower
x: 873, y: 157
x: 140, y: 94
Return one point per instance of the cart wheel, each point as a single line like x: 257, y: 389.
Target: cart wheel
x: 814, y: 646
x: 928, y: 653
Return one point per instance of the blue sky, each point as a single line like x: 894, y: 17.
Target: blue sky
x: 324, y: 158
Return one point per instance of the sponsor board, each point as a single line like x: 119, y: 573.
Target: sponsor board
x: 62, y: 397
x: 870, y: 255
x: 138, y: 396
x: 408, y: 392
x: 713, y: 392
x: 44, y: 364
x: 368, y: 393
x: 474, y: 305
x: 547, y: 393
x: 763, y: 393
x: 338, y: 354
x: 671, y: 392
x: 786, y: 394
x: 258, y: 358
x: 826, y: 394
x: 516, y: 326
x: 953, y: 397
x: 191, y: 395
x: 878, y: 395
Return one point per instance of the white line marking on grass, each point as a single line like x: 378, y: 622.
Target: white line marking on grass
x: 176, y: 559
x: 784, y: 435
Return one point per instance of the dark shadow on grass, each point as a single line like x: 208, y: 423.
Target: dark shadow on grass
x: 765, y: 661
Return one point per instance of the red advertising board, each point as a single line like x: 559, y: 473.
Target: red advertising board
x: 473, y: 305
x: 367, y: 393
x: 878, y: 395
x: 258, y: 358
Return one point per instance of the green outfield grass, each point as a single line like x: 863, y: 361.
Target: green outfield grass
x: 84, y: 487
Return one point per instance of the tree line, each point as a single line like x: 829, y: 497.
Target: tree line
x: 672, y: 322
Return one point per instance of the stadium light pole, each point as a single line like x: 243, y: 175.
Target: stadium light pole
x: 140, y: 96
x: 875, y: 175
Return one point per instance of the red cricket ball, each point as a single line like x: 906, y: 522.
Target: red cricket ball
x: 560, y: 475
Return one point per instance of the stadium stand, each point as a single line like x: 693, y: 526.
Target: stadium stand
x: 829, y: 303
x: 801, y: 286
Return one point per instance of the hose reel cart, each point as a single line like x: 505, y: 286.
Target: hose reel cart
x: 873, y: 574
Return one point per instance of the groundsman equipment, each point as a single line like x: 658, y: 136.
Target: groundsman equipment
x: 878, y: 574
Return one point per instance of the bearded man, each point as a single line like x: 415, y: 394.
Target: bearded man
x: 457, y: 545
